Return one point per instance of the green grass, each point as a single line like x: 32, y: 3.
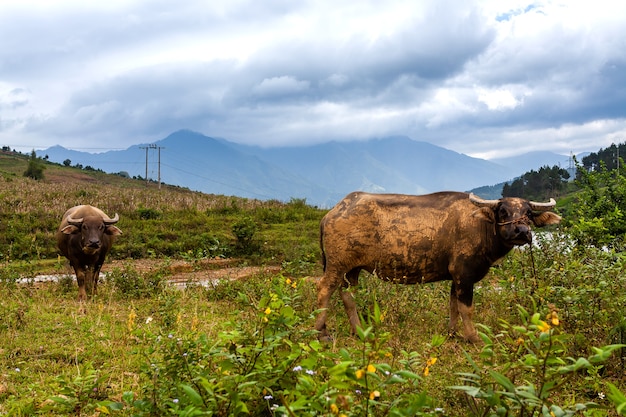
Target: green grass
x: 140, y: 345
x: 49, y: 344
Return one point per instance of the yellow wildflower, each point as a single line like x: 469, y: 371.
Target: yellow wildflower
x: 543, y: 326
x: 334, y: 409
x: 288, y: 282
x: 553, y: 317
x: 431, y: 361
x: 426, y: 371
x: 371, y: 368
x: 359, y: 374
x: 374, y: 394
x: 519, y: 341
x: 268, y: 311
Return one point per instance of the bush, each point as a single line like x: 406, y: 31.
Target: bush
x: 130, y: 284
x: 244, y: 230
x: 35, y: 167
x: 599, y: 214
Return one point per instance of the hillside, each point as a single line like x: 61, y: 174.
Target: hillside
x: 322, y: 174
x: 157, y: 223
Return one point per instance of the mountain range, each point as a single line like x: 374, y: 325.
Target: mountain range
x: 322, y: 174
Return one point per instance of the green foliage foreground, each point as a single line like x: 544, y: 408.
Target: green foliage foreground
x: 247, y: 348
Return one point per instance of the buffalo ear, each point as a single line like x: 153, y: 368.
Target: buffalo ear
x: 112, y: 230
x: 485, y: 214
x: 546, y: 218
x: 70, y: 229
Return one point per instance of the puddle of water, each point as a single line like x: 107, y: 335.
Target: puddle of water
x: 180, y: 284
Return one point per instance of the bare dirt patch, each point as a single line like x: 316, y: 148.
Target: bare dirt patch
x: 181, y: 272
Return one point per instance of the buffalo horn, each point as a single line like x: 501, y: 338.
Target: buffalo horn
x: 115, y: 219
x: 74, y: 222
x: 483, y: 203
x: 542, y: 206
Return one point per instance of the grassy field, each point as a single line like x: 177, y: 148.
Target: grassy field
x: 552, y: 319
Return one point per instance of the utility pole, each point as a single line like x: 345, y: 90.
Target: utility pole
x: 159, y: 148
x: 153, y: 146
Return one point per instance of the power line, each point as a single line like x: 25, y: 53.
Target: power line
x: 216, y: 182
x: 153, y: 146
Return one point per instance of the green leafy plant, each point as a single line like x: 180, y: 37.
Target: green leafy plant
x: 78, y: 394
x: 523, y: 369
x: 598, y: 216
x: 618, y: 398
x: 130, y: 284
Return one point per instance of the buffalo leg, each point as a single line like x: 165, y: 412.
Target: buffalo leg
x: 96, y: 277
x: 80, y: 280
x: 454, y: 310
x: 325, y: 289
x: 350, y: 280
x: 89, y: 282
x: 464, y: 296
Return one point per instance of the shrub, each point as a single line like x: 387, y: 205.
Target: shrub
x: 129, y: 283
x: 599, y: 214
x: 35, y: 167
x: 244, y: 230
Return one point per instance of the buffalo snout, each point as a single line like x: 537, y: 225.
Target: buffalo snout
x: 95, y: 244
x: 519, y: 234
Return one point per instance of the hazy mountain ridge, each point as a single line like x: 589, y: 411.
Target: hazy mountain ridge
x: 322, y: 174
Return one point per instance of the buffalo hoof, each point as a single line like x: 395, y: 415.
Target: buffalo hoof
x: 324, y: 338
x: 474, y: 339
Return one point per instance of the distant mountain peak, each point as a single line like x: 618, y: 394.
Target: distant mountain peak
x: 321, y: 173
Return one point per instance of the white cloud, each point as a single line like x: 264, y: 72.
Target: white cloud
x: 498, y: 99
x: 278, y: 86
x: 460, y: 75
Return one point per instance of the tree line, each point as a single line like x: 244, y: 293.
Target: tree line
x: 555, y: 181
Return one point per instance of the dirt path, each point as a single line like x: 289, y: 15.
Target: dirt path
x: 179, y: 273
x: 190, y: 271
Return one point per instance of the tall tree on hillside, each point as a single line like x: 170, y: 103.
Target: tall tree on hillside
x: 609, y: 157
x: 538, y: 185
x: 35, y: 167
x: 599, y: 215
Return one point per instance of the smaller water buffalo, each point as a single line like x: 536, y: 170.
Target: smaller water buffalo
x: 409, y: 239
x: 85, y: 237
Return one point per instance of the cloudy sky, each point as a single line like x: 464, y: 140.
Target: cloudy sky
x: 486, y: 78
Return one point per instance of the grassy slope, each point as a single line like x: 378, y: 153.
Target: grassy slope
x: 170, y: 222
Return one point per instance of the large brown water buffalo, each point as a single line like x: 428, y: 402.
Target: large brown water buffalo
x: 409, y: 239
x: 84, y: 238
